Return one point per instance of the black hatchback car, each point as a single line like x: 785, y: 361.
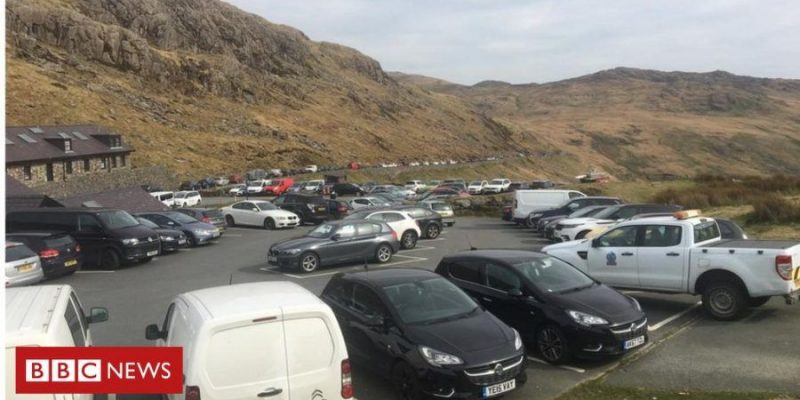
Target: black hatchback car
x: 556, y: 307
x: 59, y: 253
x: 426, y: 333
x: 569, y: 207
x: 309, y: 208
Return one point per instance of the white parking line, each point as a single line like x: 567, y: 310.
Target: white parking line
x: 566, y: 367
x: 95, y: 272
x: 659, y: 325
x: 423, y: 248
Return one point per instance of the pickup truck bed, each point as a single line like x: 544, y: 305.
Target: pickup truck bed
x: 753, y: 244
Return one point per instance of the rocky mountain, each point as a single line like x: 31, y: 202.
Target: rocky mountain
x: 631, y: 121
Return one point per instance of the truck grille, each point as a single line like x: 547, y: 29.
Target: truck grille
x: 630, y: 331
x: 492, y: 374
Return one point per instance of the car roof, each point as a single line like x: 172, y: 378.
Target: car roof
x: 246, y: 298
x: 388, y: 276
x: 29, y: 309
x: 36, y: 233
x: 507, y: 256
x: 349, y: 221
x: 66, y: 209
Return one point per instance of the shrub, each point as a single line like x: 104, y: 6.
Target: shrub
x: 773, y: 209
x: 715, y: 191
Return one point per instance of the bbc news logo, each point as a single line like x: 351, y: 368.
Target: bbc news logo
x: 123, y: 370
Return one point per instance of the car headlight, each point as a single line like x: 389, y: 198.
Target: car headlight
x: 586, y: 319
x: 438, y: 358
x: 569, y: 226
x: 292, y: 252
x: 517, y: 340
x: 167, y: 238
x: 130, y: 242
x: 207, y: 231
x: 281, y: 217
x: 636, y: 303
x: 536, y: 215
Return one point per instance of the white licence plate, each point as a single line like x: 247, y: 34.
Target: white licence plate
x: 635, y: 342
x: 499, y: 388
x: 24, y: 267
x: 152, y: 253
x: 272, y: 259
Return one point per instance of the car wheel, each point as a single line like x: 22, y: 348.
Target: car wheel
x: 309, y: 262
x: 229, y: 220
x: 406, y: 381
x: 408, y: 240
x: 383, y: 254
x: 758, y: 301
x: 581, y: 235
x: 191, y: 240
x: 552, y: 344
x: 529, y: 223
x: 432, y: 232
x: 269, y: 224
x: 110, y: 259
x: 724, y: 300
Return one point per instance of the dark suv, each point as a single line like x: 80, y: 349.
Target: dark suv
x: 309, y: 208
x: 108, y: 237
x: 569, y: 207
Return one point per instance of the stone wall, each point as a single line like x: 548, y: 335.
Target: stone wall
x: 39, y: 171
x: 107, y: 180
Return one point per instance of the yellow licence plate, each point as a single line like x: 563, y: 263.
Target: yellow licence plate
x: 25, y: 267
x: 70, y: 263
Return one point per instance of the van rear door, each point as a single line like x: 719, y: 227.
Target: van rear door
x: 247, y: 360
x: 315, y: 356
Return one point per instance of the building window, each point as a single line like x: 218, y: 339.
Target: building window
x: 115, y: 141
x: 68, y: 167
x: 122, y: 160
x: 26, y: 171
x: 49, y: 172
x: 86, y: 165
x: 113, y: 161
x: 68, y: 145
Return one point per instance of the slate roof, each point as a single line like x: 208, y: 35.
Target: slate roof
x: 132, y: 199
x: 20, y: 150
x: 19, y: 196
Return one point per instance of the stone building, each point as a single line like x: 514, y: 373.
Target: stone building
x: 38, y: 155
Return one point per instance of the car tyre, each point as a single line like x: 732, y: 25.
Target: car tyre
x: 269, y: 224
x: 229, y: 220
x: 552, y: 345
x: 758, y: 301
x: 309, y: 262
x: 432, y: 231
x: 406, y: 381
x: 191, y: 241
x: 409, y: 239
x: 724, y: 300
x: 110, y: 259
x: 383, y: 253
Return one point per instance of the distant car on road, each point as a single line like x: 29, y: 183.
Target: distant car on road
x: 238, y: 190
x: 259, y: 213
x: 497, y: 185
x: 334, y: 242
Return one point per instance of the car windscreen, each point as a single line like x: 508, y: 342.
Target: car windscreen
x: 429, y: 301
x: 57, y: 241
x: 706, y: 231
x: 147, y: 223
x: 322, y: 231
x: 496, y: 182
x: 550, y: 275
x: 117, y: 219
x: 180, y: 195
x: 181, y: 217
x: 265, y: 205
x: 475, y: 183
x: 608, y: 213
x: 587, y: 212
x: 18, y: 252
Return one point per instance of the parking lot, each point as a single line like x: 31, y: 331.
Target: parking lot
x: 138, y: 295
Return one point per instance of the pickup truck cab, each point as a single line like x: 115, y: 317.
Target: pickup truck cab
x: 686, y: 254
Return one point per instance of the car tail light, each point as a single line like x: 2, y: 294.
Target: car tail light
x: 342, y: 209
x: 48, y: 253
x: 347, y: 380
x: 394, y: 234
x: 77, y: 248
x: 192, y: 393
x: 205, y: 219
x: 783, y: 265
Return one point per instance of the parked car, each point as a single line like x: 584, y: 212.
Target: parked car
x: 425, y: 334
x: 107, y: 237
x: 166, y: 198
x: 569, y: 207
x: 308, y: 208
x: 402, y: 223
x: 188, y: 199
x: 578, y: 228
x: 391, y: 197
x: 497, y: 185
x: 369, y: 202
x: 23, y: 266
x: 238, y: 190
x: 275, y: 172
x: 457, y: 186
x: 310, y: 168
x: 686, y: 254
x: 730, y: 230
x: 442, y: 208
x: 528, y: 201
x: 221, y: 181
x: 211, y: 216
x: 506, y: 213
x: 542, y: 184
x: 314, y: 186
x: 338, y: 209
x: 171, y: 239
x: 59, y: 253
x: 235, y: 179
x: 278, y: 186
x: 282, y: 341
x: 347, y: 189
x: 189, y: 185
x: 415, y: 185
x: 196, y: 232
x: 257, y: 186
x: 298, y: 187
x: 430, y: 223
x: 547, y: 226
x: 46, y: 316
x: 334, y: 242
x: 559, y: 310
x: 516, y: 185
x: 259, y: 213
x: 476, y: 187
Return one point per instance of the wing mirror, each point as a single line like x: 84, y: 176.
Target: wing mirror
x: 97, y: 314
x: 152, y: 332
x: 515, y: 293
x: 375, y: 321
x: 336, y: 236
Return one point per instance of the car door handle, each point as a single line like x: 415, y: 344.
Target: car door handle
x: 486, y: 299
x: 626, y: 254
x: 673, y: 254
x: 270, y: 392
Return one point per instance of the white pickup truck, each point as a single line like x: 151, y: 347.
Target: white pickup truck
x: 685, y: 254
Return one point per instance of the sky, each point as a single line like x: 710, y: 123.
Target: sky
x: 517, y: 41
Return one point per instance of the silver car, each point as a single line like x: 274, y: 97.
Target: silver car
x: 23, y: 266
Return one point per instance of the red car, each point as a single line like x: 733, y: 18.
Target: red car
x: 278, y: 187
x: 233, y: 179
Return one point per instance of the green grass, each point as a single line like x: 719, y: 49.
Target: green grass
x: 597, y: 390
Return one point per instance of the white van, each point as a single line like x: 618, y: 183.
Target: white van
x: 527, y: 201
x: 271, y: 340
x: 47, y: 315
x: 167, y: 198
x: 189, y: 198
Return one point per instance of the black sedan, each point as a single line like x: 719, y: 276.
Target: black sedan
x: 336, y: 242
x: 347, y: 189
x: 59, y: 253
x: 556, y: 307
x: 196, y: 232
x: 171, y: 239
x: 426, y: 333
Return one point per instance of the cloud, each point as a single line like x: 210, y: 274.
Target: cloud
x: 467, y: 41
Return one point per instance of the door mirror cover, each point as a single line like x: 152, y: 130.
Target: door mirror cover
x: 336, y: 237
x: 97, y: 314
x: 152, y: 332
x: 515, y: 293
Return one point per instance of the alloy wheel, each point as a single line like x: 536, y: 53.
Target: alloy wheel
x: 384, y: 254
x: 550, y: 345
x: 309, y: 263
